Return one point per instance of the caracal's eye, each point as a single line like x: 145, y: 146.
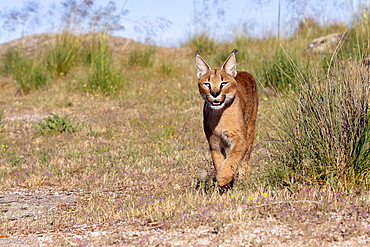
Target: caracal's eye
x: 207, y: 84
x: 224, y: 83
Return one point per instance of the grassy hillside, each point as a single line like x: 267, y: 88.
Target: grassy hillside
x: 119, y: 124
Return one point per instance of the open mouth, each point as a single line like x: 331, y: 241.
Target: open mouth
x: 216, y: 103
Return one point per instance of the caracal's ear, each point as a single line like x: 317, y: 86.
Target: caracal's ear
x: 229, y: 65
x: 202, y: 65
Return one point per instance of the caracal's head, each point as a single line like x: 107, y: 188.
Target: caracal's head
x: 217, y: 86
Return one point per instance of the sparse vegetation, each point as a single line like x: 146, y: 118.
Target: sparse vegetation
x: 55, y: 124
x: 141, y: 57
x: 29, y: 73
x: 63, y: 54
x: 167, y: 69
x: 140, y: 164
x: 283, y: 71
x: 1, y: 116
x: 203, y: 43
x: 103, y: 75
x: 321, y: 127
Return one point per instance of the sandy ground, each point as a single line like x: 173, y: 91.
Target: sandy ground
x: 333, y: 229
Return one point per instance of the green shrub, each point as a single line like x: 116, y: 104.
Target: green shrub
x: 282, y: 71
x: 356, y: 44
x: 63, y: 54
x: 103, y: 76
x: 243, y: 44
x: 55, y: 124
x: 29, y: 73
x: 214, y: 52
x: 167, y: 69
x: 141, y: 57
x: 361, y: 152
x: 203, y: 43
x: 324, y: 131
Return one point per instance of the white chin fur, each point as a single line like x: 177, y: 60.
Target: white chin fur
x: 216, y: 107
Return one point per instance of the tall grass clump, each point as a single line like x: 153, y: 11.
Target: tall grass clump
x: 208, y: 47
x: 167, y: 69
x: 203, y: 43
x: 323, y: 131
x: 141, y: 57
x: 282, y: 70
x: 29, y: 73
x: 103, y: 76
x: 63, y: 54
x: 356, y: 46
x: 246, y: 47
x: 309, y: 28
x: 361, y: 151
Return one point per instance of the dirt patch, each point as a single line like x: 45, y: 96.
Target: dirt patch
x: 32, y: 204
x: 312, y: 228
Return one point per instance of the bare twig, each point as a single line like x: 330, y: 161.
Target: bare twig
x: 283, y: 202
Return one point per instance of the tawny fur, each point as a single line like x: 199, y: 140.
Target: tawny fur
x: 230, y: 111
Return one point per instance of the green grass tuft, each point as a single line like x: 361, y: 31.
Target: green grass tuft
x: 63, y: 54
x: 204, y: 44
x: 282, y: 71
x: 104, y: 76
x: 29, y: 73
x: 322, y: 130
x: 142, y: 57
x: 55, y: 124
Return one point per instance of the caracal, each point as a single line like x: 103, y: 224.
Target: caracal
x: 229, y: 116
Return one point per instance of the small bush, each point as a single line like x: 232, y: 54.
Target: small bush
x: 167, y: 69
x: 103, y: 77
x: 209, y: 48
x: 141, y: 57
x: 243, y: 44
x: 204, y: 44
x: 30, y: 74
x: 324, y: 131
x: 282, y: 71
x: 64, y: 54
x: 356, y: 41
x: 55, y: 124
x: 361, y: 152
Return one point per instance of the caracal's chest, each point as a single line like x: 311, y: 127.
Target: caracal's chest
x: 224, y: 125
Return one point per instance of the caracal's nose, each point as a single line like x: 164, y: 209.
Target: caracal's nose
x: 215, y: 94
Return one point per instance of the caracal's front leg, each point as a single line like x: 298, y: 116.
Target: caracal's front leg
x: 228, y: 168
x: 217, y: 158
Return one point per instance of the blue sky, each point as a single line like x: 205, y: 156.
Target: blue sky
x: 255, y: 17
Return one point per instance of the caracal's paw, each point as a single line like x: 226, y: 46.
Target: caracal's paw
x: 223, y: 180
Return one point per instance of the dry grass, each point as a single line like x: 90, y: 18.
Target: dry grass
x: 133, y: 168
